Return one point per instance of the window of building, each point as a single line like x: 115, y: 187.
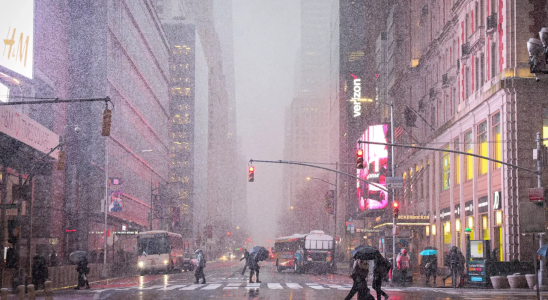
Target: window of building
x: 469, y: 160
x: 495, y: 132
x: 456, y: 147
x: 427, y: 174
x: 484, y: 227
x: 476, y: 79
x: 482, y: 70
x: 482, y: 147
x: 471, y: 226
x: 467, y: 83
x: 493, y: 60
x: 545, y: 125
x: 445, y: 170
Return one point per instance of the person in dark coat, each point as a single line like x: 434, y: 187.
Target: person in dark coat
x: 199, y: 273
x: 53, y: 259
x: 83, y: 270
x: 454, y: 262
x: 246, y: 257
x: 380, y: 270
x: 39, y: 271
x: 461, y: 272
x: 254, y: 267
x: 360, y: 272
x: 430, y: 268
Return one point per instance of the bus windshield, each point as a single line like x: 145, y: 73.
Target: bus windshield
x: 153, y: 245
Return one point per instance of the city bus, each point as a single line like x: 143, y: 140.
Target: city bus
x: 303, y: 252
x: 159, y: 250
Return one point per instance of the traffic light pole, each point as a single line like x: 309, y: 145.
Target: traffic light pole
x: 394, y: 220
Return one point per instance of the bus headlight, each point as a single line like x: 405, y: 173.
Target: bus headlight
x: 166, y: 262
x: 141, y: 264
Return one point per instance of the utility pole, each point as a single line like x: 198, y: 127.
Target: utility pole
x: 541, y: 279
x: 394, y: 221
x: 335, y: 204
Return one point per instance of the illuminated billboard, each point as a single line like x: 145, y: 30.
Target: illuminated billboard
x: 17, y: 31
x: 375, y: 169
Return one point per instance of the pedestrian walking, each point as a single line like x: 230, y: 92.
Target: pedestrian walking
x: 53, y: 259
x: 254, y: 267
x: 403, y: 265
x: 83, y: 270
x: 380, y: 270
x: 199, y: 273
x: 462, y: 263
x: 39, y: 271
x: 360, y: 272
x: 246, y: 257
x: 454, y: 262
x: 431, y: 268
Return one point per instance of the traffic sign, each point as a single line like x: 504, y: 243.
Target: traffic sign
x: 536, y: 194
x: 394, y: 182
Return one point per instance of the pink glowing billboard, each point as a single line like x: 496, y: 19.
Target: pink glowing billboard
x: 375, y: 169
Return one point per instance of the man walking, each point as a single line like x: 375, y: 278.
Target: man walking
x: 199, y: 273
x: 254, y: 267
x: 454, y: 262
x: 381, y: 268
x: 403, y: 265
x: 246, y: 257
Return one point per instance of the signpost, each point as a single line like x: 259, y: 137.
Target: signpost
x: 536, y: 194
x: 394, y: 182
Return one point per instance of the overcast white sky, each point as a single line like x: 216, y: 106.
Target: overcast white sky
x: 266, y: 40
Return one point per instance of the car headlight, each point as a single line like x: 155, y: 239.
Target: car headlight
x: 166, y: 262
x: 141, y: 264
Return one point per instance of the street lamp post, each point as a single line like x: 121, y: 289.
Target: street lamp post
x: 104, y: 271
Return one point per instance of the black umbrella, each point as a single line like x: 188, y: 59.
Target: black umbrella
x: 77, y: 256
x: 259, y: 253
x: 365, y: 252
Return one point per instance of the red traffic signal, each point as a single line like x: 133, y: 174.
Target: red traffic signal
x: 359, y: 159
x: 251, y: 174
x: 396, y: 209
x: 228, y: 233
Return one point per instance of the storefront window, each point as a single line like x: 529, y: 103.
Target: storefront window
x: 445, y: 170
x: 457, y: 231
x: 471, y: 226
x: 497, y: 145
x: 447, y: 236
x: 456, y: 147
x: 482, y: 147
x: 469, y: 160
x: 484, y: 227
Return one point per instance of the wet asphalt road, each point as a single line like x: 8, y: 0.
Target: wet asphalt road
x: 224, y: 281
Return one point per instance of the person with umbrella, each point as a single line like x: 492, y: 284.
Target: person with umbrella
x: 381, y: 268
x: 39, y: 271
x: 256, y: 255
x: 430, y: 267
x: 82, y: 269
x: 360, y: 271
x: 403, y: 265
x: 201, y: 263
x: 246, y: 257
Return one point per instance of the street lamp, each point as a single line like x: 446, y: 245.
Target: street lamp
x: 104, y: 272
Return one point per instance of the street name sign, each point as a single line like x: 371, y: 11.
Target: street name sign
x: 394, y: 182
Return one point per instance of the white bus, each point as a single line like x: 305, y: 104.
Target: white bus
x: 159, y: 250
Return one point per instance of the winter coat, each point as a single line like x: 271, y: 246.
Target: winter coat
x: 381, y: 268
x: 360, y: 274
x: 200, y: 260
x: 431, y: 263
x: 246, y: 256
x: 39, y: 268
x: 253, y: 262
x: 403, y: 262
x: 82, y: 267
x: 454, y: 258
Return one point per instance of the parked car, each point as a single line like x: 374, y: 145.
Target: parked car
x: 189, y: 262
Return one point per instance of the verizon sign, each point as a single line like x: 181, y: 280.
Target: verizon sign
x: 24, y: 129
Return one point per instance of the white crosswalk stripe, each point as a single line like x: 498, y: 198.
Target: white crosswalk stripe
x: 293, y: 285
x: 152, y: 287
x: 253, y: 286
x: 232, y: 286
x: 191, y: 287
x: 212, y: 286
x: 275, y: 286
x: 169, y: 288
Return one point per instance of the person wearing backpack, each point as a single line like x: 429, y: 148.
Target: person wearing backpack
x: 360, y: 272
x: 199, y: 273
x: 380, y: 270
x: 403, y: 265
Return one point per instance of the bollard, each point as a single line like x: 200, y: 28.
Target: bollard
x: 4, y: 294
x: 21, y: 292
x: 48, y: 291
x: 31, y: 291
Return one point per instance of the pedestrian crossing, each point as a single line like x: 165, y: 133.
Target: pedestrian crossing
x: 234, y: 286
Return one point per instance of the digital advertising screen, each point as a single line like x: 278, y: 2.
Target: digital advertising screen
x: 375, y: 169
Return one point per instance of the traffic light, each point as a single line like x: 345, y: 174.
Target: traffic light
x: 410, y: 117
x: 251, y: 175
x: 105, y: 126
x: 396, y: 208
x: 228, y: 233
x: 359, y: 159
